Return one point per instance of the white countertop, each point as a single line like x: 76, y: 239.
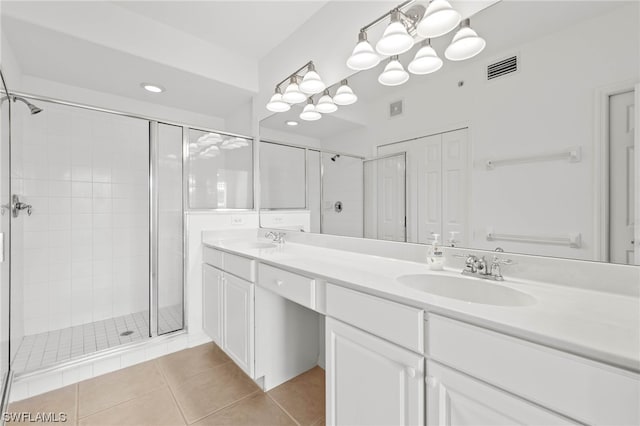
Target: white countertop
x: 597, y: 325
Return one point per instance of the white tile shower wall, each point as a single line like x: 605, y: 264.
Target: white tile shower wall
x: 86, y: 244
x: 342, y: 181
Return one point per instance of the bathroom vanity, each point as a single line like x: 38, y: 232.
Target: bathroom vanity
x: 400, y: 351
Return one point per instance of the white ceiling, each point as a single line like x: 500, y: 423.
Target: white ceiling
x: 253, y: 28
x: 59, y: 57
x: 205, y: 53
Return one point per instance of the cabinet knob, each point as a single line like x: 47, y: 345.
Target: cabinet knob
x: 432, y: 382
x: 411, y: 372
x: 279, y: 283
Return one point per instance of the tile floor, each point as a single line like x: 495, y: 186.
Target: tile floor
x: 199, y: 386
x: 45, y: 349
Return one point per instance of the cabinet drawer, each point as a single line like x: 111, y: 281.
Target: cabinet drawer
x: 393, y: 321
x: 579, y: 388
x: 297, y: 288
x: 239, y: 266
x: 212, y: 257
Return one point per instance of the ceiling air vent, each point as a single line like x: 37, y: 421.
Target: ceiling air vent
x: 500, y: 68
x: 395, y: 109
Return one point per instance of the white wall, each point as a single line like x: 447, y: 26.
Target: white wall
x: 546, y: 106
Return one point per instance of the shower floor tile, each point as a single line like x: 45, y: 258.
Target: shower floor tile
x: 53, y: 347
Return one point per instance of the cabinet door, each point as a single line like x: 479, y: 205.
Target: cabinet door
x: 457, y: 399
x: 212, y: 303
x: 237, y: 321
x: 371, y: 381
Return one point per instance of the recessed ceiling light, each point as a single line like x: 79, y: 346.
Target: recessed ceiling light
x: 153, y: 88
x: 291, y: 123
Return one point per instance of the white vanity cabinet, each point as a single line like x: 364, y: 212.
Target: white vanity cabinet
x: 228, y: 305
x: 454, y: 398
x: 212, y: 302
x: 479, y: 376
x: 374, y: 376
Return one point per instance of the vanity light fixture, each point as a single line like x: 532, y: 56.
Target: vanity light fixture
x: 465, y: 44
x: 309, y: 112
x: 276, y: 104
x: 344, y: 95
x: 153, y: 88
x: 426, y: 60
x: 439, y: 19
x: 311, y: 82
x: 395, y: 39
x: 302, y: 82
x: 325, y: 104
x: 394, y: 73
x: 292, y: 93
x: 363, y: 56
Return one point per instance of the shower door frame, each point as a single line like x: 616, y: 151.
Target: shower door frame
x: 153, y: 328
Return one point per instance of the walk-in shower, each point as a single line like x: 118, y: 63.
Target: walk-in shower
x: 105, y: 194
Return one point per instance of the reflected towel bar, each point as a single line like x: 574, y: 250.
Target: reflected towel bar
x: 572, y: 155
x: 571, y: 240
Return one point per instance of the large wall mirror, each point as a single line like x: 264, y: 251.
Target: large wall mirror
x: 540, y: 160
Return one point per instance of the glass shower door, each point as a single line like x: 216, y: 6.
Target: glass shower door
x: 169, y: 229
x: 5, y: 229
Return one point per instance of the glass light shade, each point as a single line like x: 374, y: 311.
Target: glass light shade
x: 276, y: 104
x: 312, y: 83
x: 465, y: 44
x: 439, y: 19
x: 426, y: 61
x: 325, y: 104
x: 395, y: 40
x: 393, y: 74
x: 344, y: 95
x: 293, y: 95
x: 309, y: 113
x: 363, y: 57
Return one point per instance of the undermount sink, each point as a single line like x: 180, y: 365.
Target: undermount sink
x: 466, y: 289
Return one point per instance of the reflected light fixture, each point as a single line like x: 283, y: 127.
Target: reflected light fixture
x: 395, y: 39
x: 344, y: 95
x: 465, y: 44
x: 426, y: 60
x: 309, y: 112
x: 292, y: 93
x: 291, y: 123
x: 325, y: 104
x: 439, y: 19
x: 311, y: 82
x: 363, y: 56
x: 394, y: 73
x: 153, y: 88
x: 276, y: 104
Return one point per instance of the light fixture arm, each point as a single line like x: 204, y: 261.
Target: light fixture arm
x: 383, y: 17
x: 309, y: 66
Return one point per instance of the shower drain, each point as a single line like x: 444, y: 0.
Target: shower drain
x: 126, y: 333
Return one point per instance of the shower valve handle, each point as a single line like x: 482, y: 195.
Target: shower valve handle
x: 19, y: 205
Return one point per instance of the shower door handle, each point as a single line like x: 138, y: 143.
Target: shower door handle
x: 18, y: 205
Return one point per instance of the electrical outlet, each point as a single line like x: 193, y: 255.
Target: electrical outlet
x: 237, y: 220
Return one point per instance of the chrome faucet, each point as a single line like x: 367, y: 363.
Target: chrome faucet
x: 276, y: 237
x: 478, y: 267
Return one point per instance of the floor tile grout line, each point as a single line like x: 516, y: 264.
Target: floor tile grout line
x: 226, y: 406
x: 175, y: 400
x: 283, y: 409
x: 147, y: 392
